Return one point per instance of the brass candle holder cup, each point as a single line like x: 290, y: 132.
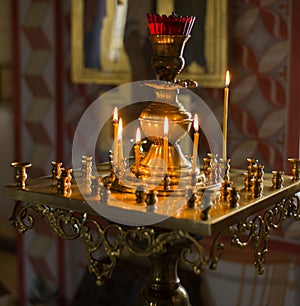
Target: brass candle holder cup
x: 21, y: 174
x: 224, y: 189
x: 277, y: 180
x: 295, y: 168
x: 252, y: 162
x: 191, y: 196
x: 225, y: 169
x: 233, y: 197
x: 56, y: 171
x: 247, y: 180
x: 64, y: 182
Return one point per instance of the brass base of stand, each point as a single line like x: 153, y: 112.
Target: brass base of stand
x: 178, y: 165
x: 164, y: 288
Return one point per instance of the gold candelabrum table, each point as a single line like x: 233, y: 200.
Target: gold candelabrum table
x: 175, y: 238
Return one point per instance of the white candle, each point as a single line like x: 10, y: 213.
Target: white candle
x: 225, y: 115
x: 116, y: 128
x: 196, y: 142
x: 120, y: 141
x: 137, y: 149
x: 166, y: 145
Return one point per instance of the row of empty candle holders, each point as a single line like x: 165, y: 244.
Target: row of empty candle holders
x: 227, y: 193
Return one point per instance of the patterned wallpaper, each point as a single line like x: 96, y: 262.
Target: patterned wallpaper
x: 259, y: 93
x: 48, y: 105
x: 258, y: 62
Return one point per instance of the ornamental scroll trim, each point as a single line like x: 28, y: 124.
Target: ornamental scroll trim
x: 257, y: 231
x: 140, y: 241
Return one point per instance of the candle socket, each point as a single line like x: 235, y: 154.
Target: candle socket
x: 56, y: 169
x: 247, y: 180
x: 295, y: 168
x: 191, y: 196
x: 21, y: 174
x: 256, y: 187
x: 194, y: 179
x: 207, y: 168
x: 167, y: 182
x: 86, y: 166
x: 104, y: 192
x: 215, y: 173
x: 64, y: 182
x: 258, y: 171
x: 151, y: 198
x: 277, y: 179
x: 206, y: 204
x: 251, y: 163
x: 225, y: 169
x: 233, y: 197
x: 211, y: 168
x: 224, y: 189
x: 141, y: 194
x: 119, y: 169
x: 95, y: 185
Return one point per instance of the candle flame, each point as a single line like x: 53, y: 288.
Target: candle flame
x: 196, y: 124
x: 227, y: 79
x: 166, y: 126
x: 138, y: 135
x: 115, y: 117
x: 120, y: 129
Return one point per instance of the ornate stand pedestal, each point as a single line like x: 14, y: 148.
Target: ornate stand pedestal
x: 167, y: 242
x: 164, y: 286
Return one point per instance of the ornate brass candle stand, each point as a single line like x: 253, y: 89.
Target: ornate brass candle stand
x: 206, y: 204
x: 166, y: 242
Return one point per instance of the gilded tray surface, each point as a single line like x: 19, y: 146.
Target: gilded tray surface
x: 41, y: 190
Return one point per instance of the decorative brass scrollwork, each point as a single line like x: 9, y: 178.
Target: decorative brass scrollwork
x: 141, y: 241
x: 257, y: 231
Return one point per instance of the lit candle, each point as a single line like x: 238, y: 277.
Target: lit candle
x: 137, y: 149
x: 120, y: 140
x: 225, y: 115
x: 166, y: 145
x: 196, y: 142
x: 116, y: 127
x: 115, y: 123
